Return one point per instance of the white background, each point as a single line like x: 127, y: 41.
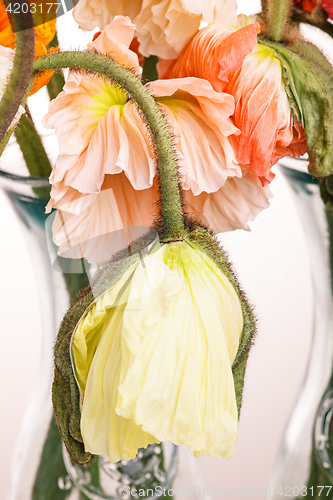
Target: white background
x: 273, y: 267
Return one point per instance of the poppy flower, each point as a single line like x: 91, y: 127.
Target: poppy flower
x: 104, y: 146
x: 163, y: 27
x: 263, y: 113
x: 176, y: 314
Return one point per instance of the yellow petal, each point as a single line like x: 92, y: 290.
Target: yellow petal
x: 153, y: 358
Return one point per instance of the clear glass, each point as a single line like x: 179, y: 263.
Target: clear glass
x: 21, y: 193
x: 292, y: 464
x: 166, y: 467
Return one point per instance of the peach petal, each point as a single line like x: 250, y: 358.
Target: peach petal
x: 239, y: 201
x: 85, y: 225
x: 163, y: 27
x: 115, y: 41
x: 200, y: 121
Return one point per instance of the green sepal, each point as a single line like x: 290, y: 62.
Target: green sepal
x: 309, y: 86
x: 65, y: 391
x: 207, y: 243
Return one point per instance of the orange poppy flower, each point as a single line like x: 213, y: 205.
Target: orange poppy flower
x: 263, y: 114
x: 44, y: 33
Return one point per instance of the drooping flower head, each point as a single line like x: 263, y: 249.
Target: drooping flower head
x: 263, y: 114
x: 187, y: 398
x: 153, y: 355
x: 163, y: 27
x: 106, y: 159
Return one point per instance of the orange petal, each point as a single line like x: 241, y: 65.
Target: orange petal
x: 213, y: 53
x: 43, y: 78
x: 263, y: 114
x: 7, y: 37
x: 45, y: 32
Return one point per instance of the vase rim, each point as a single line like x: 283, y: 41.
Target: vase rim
x: 29, y: 180
x: 293, y: 173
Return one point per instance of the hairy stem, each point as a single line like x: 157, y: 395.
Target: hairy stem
x: 21, y: 73
x: 264, y: 8
x: 279, y: 12
x: 170, y: 193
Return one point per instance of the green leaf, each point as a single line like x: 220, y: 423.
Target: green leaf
x: 149, y: 72
x: 51, y: 467
x: 309, y: 86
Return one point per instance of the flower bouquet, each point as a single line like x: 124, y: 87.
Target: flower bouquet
x: 168, y: 125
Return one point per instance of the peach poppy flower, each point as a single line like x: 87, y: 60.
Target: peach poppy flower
x: 104, y: 176
x: 262, y: 109
x: 44, y: 33
x: 163, y: 27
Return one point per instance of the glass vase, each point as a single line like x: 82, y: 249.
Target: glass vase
x: 304, y: 444
x: 42, y: 469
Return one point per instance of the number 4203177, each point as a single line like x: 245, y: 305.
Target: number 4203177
x: 23, y: 8
x: 314, y: 491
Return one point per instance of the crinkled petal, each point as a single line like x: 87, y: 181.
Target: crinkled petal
x: 263, y: 113
x: 90, y: 14
x: 163, y: 27
x: 239, y: 201
x: 200, y: 121
x: 115, y: 41
x: 213, y: 53
x: 92, y: 226
x: 185, y: 332
x: 112, y: 142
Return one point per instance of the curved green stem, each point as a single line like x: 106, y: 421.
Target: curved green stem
x: 21, y: 73
x: 279, y: 12
x: 10, y: 131
x: 170, y: 193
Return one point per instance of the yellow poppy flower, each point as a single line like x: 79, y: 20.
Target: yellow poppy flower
x: 153, y: 357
